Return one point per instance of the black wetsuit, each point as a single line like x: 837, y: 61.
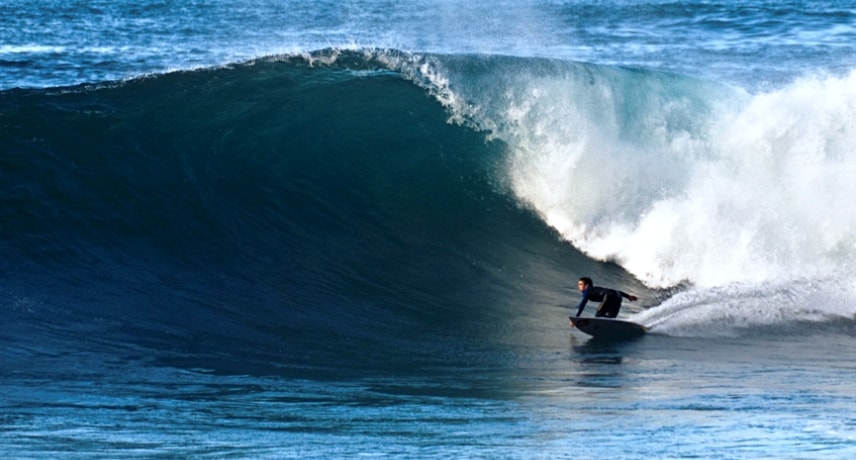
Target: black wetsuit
x: 610, y: 301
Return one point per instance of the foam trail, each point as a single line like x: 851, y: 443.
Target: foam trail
x: 730, y: 311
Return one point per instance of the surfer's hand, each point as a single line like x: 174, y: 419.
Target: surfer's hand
x: 571, y: 323
x: 632, y: 298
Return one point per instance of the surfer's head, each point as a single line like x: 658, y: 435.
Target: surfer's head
x: 584, y: 283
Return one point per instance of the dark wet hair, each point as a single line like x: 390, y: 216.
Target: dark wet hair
x: 587, y: 281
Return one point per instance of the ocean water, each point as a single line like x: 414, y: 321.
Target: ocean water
x: 350, y: 229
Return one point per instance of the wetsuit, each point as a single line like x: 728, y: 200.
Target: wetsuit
x: 610, y: 301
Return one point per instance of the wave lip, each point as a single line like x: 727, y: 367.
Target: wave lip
x: 758, y: 44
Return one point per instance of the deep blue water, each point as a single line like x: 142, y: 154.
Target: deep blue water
x: 339, y: 229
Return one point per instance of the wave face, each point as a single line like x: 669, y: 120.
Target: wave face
x: 342, y: 208
x: 276, y: 209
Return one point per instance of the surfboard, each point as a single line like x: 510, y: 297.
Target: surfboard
x: 608, y: 328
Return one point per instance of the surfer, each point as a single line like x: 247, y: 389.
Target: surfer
x: 610, y: 299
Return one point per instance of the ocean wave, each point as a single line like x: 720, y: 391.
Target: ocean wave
x: 365, y: 192
x: 261, y: 207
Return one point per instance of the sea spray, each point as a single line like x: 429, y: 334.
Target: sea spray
x: 688, y: 182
